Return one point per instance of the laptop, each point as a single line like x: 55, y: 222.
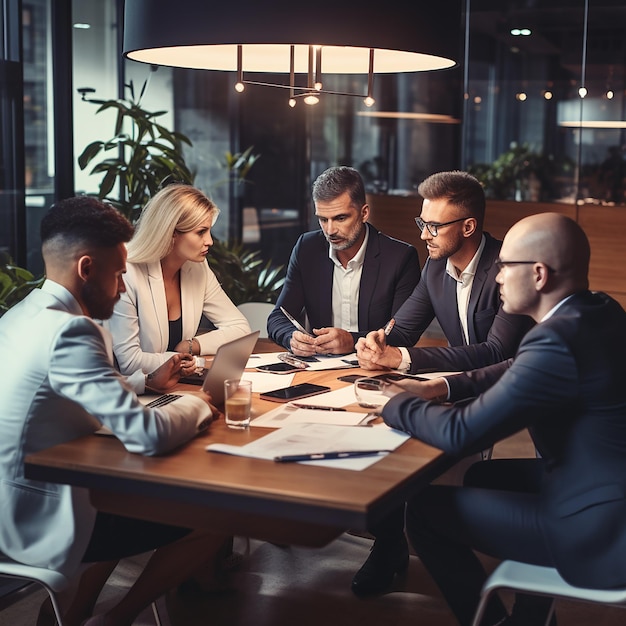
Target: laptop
x: 229, y: 362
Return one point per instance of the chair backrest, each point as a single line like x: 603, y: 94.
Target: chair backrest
x: 52, y: 581
x: 257, y: 313
x: 536, y: 579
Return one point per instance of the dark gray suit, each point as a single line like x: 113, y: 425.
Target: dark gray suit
x: 390, y: 272
x: 493, y: 334
x: 568, y: 509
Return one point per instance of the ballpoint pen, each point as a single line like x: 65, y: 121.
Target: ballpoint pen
x: 315, y: 407
x: 390, y: 324
x: 323, y: 456
x: 285, y: 357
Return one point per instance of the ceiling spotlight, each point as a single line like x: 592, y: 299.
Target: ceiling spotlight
x: 292, y: 102
x: 521, y: 96
x: 369, y: 101
x: 239, y: 87
x: 582, y: 92
x: 610, y: 94
x: 311, y: 99
x: 547, y: 95
x: 523, y: 32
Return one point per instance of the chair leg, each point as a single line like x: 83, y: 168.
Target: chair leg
x: 482, y: 606
x: 550, y: 613
x: 155, y: 612
x: 55, y: 605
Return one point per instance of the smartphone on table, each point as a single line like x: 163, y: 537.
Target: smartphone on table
x: 295, y: 392
x: 278, y: 368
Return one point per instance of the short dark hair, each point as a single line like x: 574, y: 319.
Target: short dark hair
x: 85, y: 220
x: 335, y: 181
x: 458, y: 188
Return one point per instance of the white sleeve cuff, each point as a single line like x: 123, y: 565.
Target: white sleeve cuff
x: 405, y: 364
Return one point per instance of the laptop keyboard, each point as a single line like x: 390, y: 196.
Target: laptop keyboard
x: 163, y: 400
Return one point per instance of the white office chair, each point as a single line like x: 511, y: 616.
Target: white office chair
x: 257, y: 313
x: 542, y: 581
x: 53, y: 582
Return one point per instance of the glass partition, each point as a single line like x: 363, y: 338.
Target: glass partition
x: 545, y: 100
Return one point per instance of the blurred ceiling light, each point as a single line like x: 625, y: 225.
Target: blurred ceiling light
x: 432, y: 118
x: 82, y: 26
x: 523, y: 32
x: 248, y: 36
x: 547, y: 95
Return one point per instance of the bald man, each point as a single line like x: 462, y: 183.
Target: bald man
x: 566, y: 385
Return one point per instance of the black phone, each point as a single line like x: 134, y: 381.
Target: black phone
x: 295, y: 392
x: 278, y: 368
x: 350, y: 378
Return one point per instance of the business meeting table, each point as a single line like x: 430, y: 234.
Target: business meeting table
x: 288, y: 503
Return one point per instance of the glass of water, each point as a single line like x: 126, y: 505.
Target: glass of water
x: 370, y: 393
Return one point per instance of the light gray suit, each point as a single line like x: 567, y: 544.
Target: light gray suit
x: 57, y: 384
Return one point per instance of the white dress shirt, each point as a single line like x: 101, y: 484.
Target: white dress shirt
x: 346, y: 286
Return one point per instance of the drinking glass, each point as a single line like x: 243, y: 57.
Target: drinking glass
x: 369, y: 393
x: 237, y: 400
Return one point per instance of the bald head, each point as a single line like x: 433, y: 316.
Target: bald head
x: 555, y: 240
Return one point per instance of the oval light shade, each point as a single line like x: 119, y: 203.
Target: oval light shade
x: 201, y: 34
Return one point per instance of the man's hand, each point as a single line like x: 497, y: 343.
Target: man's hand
x: 333, y: 341
x: 435, y: 389
x: 373, y: 352
x: 302, y: 344
x: 167, y: 375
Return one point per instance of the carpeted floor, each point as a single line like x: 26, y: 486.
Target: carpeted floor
x: 286, y: 586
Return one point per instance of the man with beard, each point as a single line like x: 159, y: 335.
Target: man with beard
x: 345, y: 279
x: 459, y: 290
x: 60, y: 384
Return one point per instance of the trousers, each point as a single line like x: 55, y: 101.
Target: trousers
x: 495, y: 512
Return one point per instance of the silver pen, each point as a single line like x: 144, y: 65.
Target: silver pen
x: 321, y: 456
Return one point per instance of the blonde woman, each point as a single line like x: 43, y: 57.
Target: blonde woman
x: 169, y: 286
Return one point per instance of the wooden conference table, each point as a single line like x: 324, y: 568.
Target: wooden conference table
x: 287, y: 503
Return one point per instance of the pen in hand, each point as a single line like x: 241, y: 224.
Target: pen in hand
x: 388, y: 328
x: 322, y: 456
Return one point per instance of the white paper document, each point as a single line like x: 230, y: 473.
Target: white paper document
x: 262, y: 381
x: 319, y: 438
x: 287, y: 414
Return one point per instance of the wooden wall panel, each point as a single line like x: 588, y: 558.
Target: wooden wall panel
x: 605, y: 227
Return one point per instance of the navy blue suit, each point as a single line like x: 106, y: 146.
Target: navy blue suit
x: 390, y: 272
x: 493, y: 334
x: 566, y: 385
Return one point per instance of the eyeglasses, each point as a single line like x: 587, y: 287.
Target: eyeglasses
x: 499, y: 263
x: 433, y: 227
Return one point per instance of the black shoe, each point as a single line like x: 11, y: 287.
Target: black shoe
x: 381, y: 567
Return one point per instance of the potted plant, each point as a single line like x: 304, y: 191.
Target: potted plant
x: 141, y: 155
x: 15, y: 283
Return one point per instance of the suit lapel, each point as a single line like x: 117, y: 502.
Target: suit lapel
x: 159, y: 303
x: 369, y: 276
x: 480, y: 279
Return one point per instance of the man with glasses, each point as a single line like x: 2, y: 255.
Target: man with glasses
x: 346, y: 278
x: 566, y: 385
x: 459, y: 290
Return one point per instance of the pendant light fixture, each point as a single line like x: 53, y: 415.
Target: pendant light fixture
x: 302, y: 41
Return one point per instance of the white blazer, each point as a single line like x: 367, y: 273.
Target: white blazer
x: 58, y: 383
x: 140, y: 322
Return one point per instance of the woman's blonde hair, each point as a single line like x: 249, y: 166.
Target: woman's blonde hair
x: 175, y: 208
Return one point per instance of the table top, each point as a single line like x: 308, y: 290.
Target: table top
x: 190, y: 486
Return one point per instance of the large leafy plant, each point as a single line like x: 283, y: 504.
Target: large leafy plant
x: 15, y: 283
x: 139, y: 157
x: 243, y: 274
